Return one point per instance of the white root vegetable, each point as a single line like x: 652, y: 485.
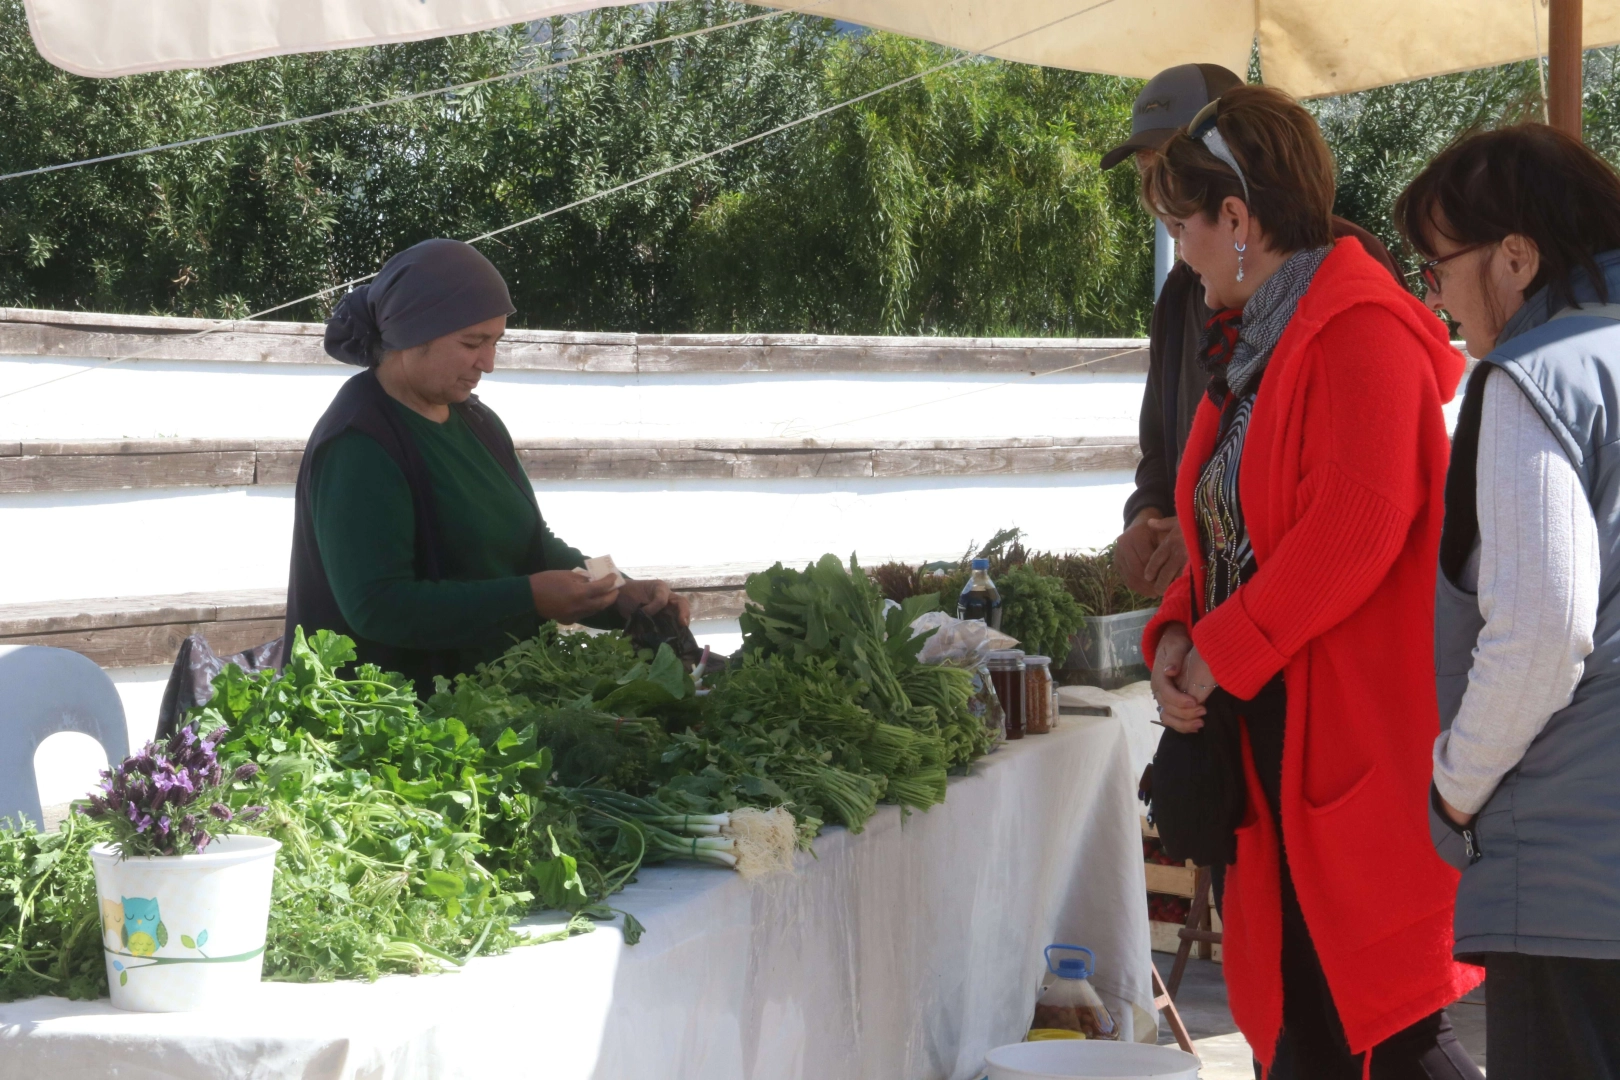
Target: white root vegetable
x: 764, y: 840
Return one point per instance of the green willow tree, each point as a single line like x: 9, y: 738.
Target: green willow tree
x: 968, y: 203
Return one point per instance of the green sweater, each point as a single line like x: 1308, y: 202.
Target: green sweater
x: 490, y: 535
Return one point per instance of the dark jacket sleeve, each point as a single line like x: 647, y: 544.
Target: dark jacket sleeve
x: 1156, y: 472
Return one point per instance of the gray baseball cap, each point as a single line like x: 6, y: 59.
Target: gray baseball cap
x: 1168, y: 103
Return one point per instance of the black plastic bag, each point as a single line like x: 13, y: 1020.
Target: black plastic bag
x: 665, y: 628
x: 191, y: 680
x: 1198, y: 793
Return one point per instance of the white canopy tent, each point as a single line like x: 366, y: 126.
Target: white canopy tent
x: 1308, y: 47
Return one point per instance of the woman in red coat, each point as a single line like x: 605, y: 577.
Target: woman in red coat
x: 1310, y: 495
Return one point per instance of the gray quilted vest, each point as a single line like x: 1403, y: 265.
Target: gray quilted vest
x: 1546, y: 879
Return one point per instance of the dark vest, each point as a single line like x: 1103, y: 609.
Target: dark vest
x: 363, y: 405
x: 1547, y: 877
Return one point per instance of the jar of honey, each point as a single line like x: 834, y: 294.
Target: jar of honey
x: 1007, y: 676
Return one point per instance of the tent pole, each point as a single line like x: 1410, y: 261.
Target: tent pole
x: 1564, y: 66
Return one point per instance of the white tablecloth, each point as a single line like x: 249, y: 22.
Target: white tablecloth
x: 905, y: 951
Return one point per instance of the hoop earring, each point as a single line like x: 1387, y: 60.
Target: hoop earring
x: 1240, y: 249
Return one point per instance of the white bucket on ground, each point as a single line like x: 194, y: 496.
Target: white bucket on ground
x: 185, y: 932
x: 1088, y: 1059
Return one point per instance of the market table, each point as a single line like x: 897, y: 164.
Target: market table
x: 905, y: 951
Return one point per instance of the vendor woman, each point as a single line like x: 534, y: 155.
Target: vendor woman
x: 416, y: 531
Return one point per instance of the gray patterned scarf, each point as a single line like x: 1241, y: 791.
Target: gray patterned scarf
x: 1267, y: 315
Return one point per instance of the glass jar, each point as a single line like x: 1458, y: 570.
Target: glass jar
x: 1007, y: 676
x: 1037, y: 695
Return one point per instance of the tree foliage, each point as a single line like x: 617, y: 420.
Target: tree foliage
x: 964, y: 203
x: 968, y: 201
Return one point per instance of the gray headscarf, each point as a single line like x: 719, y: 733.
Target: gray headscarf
x: 426, y: 291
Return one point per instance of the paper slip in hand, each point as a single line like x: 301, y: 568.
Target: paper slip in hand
x: 599, y: 568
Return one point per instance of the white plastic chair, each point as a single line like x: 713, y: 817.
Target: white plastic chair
x: 43, y: 691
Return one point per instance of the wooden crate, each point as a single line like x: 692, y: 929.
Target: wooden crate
x: 1171, y: 881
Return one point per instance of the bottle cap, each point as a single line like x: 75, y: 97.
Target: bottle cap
x: 981, y: 564
x: 1037, y: 661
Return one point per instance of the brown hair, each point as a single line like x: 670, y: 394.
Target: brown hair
x: 1282, y: 154
x: 1528, y: 179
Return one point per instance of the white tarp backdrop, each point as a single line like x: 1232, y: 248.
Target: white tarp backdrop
x: 1308, y: 47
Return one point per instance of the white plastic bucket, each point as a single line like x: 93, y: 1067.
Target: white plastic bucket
x: 1088, y: 1059
x: 184, y: 932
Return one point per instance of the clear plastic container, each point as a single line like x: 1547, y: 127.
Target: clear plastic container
x: 980, y: 600
x: 1007, y: 676
x: 1067, y: 1001
x: 1038, y: 709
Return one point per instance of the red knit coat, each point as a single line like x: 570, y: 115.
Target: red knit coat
x: 1341, y: 482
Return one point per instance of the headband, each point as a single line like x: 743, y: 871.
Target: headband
x: 1204, y: 129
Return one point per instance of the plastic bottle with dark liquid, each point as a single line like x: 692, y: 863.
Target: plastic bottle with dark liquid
x: 979, y: 599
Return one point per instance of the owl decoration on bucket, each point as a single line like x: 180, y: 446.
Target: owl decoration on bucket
x: 143, y: 931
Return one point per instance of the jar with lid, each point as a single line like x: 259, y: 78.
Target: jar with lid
x: 1037, y: 695
x: 1007, y: 676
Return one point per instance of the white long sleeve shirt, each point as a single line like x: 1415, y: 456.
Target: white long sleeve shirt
x: 1536, y: 570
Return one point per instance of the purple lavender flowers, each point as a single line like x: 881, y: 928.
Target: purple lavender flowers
x: 170, y: 799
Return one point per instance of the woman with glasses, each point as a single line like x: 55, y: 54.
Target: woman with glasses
x: 1521, y: 230
x: 1309, y: 497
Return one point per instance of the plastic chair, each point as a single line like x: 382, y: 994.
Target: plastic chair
x: 43, y: 691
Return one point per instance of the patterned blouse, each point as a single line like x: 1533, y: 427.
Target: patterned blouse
x: 1228, y: 558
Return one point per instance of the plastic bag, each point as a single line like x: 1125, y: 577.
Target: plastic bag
x: 965, y: 643
x: 960, y: 642
x: 191, y: 679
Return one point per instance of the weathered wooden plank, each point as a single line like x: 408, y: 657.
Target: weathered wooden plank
x: 115, y: 472
x: 55, y: 616
x: 139, y: 646
x: 278, y: 466
x: 603, y: 358
x: 150, y: 633
x: 136, y: 464
x: 991, y: 462
x: 95, y: 336
x: 611, y: 463
x: 836, y: 358
x: 828, y: 463
x: 118, y: 447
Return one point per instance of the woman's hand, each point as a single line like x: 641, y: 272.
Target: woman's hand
x: 652, y: 597
x: 1196, y: 679
x: 1455, y: 814
x: 1180, y: 710
x: 568, y: 597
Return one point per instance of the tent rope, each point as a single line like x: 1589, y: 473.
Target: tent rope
x: 226, y: 324
x: 351, y: 110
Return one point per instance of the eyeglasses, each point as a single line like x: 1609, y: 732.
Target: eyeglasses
x: 1204, y: 130
x: 1426, y: 269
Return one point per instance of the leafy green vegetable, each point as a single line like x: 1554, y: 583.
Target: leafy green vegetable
x: 50, y: 921
x: 1039, y: 612
x: 415, y: 834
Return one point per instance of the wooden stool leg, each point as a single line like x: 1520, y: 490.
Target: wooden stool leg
x: 1206, y: 950
x: 1200, y: 906
x: 1163, y: 1002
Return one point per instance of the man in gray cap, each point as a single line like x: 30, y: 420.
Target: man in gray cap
x: 1150, y: 552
